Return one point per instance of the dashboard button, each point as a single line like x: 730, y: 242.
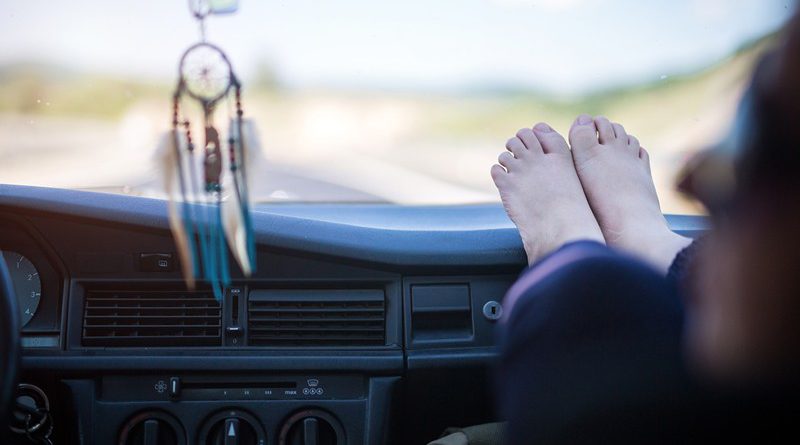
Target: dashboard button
x: 174, y: 387
x: 156, y: 262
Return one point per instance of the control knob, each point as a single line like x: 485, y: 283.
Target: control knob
x: 152, y: 428
x: 311, y: 427
x: 233, y: 427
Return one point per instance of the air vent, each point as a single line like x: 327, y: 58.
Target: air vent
x: 316, y: 318
x: 151, y: 318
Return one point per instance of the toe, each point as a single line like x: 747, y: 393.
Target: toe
x: 619, y: 131
x: 529, y: 139
x: 633, y: 145
x: 551, y: 141
x: 604, y: 129
x: 507, y: 160
x: 515, y: 146
x: 644, y: 156
x: 583, y: 133
x: 498, y: 174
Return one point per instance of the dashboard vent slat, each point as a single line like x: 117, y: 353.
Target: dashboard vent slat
x: 316, y: 318
x: 151, y: 319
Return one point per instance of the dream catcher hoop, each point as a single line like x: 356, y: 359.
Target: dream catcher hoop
x: 205, y: 179
x: 205, y: 73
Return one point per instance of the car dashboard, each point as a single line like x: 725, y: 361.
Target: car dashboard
x: 363, y: 324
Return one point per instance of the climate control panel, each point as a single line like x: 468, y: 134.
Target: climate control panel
x: 233, y: 409
x: 195, y: 388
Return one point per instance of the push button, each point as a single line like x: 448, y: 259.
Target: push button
x: 156, y: 262
x: 174, y: 387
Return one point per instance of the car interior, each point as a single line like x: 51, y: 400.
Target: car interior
x: 370, y: 317
x: 365, y: 324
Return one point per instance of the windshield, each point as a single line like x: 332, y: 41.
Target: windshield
x: 361, y: 101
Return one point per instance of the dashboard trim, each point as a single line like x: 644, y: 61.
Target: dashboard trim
x: 450, y: 244
x: 374, y: 362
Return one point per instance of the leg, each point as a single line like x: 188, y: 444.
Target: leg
x: 591, y: 342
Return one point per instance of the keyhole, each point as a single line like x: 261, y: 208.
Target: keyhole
x: 492, y: 310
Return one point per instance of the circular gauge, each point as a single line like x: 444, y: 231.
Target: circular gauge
x: 27, y: 284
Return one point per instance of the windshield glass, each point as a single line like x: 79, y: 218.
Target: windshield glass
x: 362, y: 101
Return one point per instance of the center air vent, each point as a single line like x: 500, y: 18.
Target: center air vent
x: 151, y: 318
x: 316, y: 318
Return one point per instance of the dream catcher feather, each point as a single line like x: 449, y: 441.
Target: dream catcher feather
x: 205, y: 174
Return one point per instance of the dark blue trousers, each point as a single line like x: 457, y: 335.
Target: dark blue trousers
x: 591, y: 352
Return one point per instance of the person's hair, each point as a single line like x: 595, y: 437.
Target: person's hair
x: 770, y: 158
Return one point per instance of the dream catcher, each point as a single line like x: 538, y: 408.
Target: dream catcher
x: 205, y: 173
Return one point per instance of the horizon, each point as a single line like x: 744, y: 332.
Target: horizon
x: 363, y: 50
x: 473, y: 89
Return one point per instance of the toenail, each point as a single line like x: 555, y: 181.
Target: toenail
x: 584, y: 119
x: 544, y: 128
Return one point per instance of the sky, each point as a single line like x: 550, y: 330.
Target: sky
x: 560, y: 46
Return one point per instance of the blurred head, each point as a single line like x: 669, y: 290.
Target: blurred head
x: 744, y: 313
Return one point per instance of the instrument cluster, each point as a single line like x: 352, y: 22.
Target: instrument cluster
x: 26, y: 283
x: 36, y: 279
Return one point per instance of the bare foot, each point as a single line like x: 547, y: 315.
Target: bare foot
x: 542, y: 193
x: 615, y: 172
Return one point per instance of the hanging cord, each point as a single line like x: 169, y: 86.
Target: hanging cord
x: 200, y: 10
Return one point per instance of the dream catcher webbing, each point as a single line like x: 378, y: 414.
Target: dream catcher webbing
x: 206, y: 181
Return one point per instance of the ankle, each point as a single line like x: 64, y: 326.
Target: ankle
x: 567, y: 235
x: 663, y: 249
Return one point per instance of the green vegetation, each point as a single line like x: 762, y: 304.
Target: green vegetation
x: 46, y: 90
x: 30, y: 88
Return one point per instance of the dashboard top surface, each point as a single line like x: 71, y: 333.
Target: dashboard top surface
x: 469, y: 235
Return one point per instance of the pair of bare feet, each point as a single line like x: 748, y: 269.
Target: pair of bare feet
x: 601, y: 189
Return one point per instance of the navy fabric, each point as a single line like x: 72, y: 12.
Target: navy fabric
x: 680, y: 270
x: 591, y: 351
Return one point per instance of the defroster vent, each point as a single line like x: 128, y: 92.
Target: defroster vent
x: 151, y: 319
x: 316, y: 318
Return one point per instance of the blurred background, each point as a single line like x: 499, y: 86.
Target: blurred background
x: 361, y: 101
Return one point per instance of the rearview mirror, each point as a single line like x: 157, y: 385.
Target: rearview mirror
x: 202, y: 8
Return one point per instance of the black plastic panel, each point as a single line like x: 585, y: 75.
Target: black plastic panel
x: 440, y: 312
x: 422, y: 331
x: 151, y: 318
x: 316, y: 317
x: 102, y: 418
x: 233, y: 388
x: 428, y: 372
